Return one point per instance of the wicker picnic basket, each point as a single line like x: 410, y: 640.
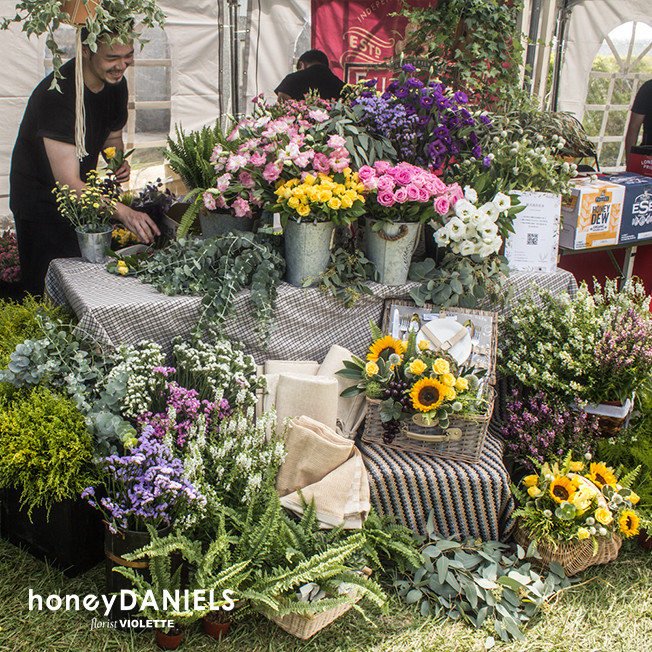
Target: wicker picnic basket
x: 304, y: 626
x: 573, y: 556
x: 463, y: 440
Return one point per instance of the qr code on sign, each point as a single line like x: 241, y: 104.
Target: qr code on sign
x: 533, y: 238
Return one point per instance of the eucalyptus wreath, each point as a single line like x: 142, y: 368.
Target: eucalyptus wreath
x: 219, y: 268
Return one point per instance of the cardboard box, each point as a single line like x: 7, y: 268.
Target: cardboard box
x: 591, y: 216
x: 170, y: 222
x: 640, y: 160
x: 636, y: 223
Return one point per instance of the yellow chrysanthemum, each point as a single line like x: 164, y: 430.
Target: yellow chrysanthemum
x: 427, y: 393
x: 577, y: 466
x: 603, y: 515
x: 109, y: 152
x: 628, y: 523
x: 583, y: 533
x: 562, y: 489
x: 371, y: 369
x: 303, y: 210
x: 601, y: 475
x: 447, y: 379
x: 335, y: 204
x: 461, y: 384
x: 387, y: 344
x: 417, y: 367
x: 423, y: 345
x: 530, y: 480
x: 441, y: 366
x: 534, y: 492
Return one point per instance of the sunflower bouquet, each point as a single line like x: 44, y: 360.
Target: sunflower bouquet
x: 413, y: 383
x: 573, y: 501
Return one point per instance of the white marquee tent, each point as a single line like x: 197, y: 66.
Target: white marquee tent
x: 221, y: 54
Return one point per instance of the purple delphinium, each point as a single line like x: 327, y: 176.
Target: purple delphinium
x: 146, y: 486
x: 185, y: 405
x: 539, y: 427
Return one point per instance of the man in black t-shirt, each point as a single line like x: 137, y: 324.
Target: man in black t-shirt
x: 45, y: 153
x: 641, y: 115
x: 313, y: 73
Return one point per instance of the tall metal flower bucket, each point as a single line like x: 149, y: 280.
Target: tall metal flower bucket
x: 92, y: 245
x: 391, y: 249
x: 213, y: 223
x: 307, y: 250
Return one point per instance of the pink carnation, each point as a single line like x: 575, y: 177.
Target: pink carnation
x: 223, y: 182
x: 241, y: 207
x: 209, y: 201
x: 258, y: 159
x: 320, y: 163
x: 272, y: 171
x: 246, y: 179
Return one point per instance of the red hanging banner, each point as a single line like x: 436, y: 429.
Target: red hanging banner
x: 359, y: 36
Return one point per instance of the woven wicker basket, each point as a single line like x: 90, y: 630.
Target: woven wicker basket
x: 304, y: 626
x: 463, y: 440
x: 574, y: 557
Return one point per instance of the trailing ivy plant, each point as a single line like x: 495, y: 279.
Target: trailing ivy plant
x: 480, y: 583
x: 219, y: 268
x: 346, y: 275
x: 461, y: 281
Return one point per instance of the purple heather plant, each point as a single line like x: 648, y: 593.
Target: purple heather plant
x: 427, y: 123
x: 540, y: 427
x: 145, y: 486
x: 9, y: 263
x: 182, y: 409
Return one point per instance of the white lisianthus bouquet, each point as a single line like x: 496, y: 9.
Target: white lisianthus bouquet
x: 471, y: 230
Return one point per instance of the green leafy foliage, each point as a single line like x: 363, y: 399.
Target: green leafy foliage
x: 345, y: 276
x: 45, y: 447
x: 480, y: 583
x: 219, y: 268
x: 462, y: 281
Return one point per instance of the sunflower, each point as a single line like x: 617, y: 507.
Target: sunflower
x: 628, y: 523
x: 385, y: 345
x: 427, y: 393
x: 562, y: 489
x: 601, y: 475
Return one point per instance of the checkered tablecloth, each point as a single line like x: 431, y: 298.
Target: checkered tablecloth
x: 116, y: 309
x: 467, y: 500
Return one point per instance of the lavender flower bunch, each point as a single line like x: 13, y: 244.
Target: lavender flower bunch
x: 540, y: 427
x: 427, y: 124
x: 146, y: 486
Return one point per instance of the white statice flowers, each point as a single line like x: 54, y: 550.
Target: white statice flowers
x: 469, y: 230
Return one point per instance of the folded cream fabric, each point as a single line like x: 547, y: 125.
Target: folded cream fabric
x: 312, y: 396
x: 308, y: 367
x: 326, y: 467
x: 350, y: 411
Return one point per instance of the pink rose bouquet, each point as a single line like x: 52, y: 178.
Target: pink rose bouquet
x: 406, y: 193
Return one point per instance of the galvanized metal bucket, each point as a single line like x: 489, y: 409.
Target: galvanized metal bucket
x: 92, y: 245
x: 391, y: 249
x: 307, y: 250
x: 213, y: 223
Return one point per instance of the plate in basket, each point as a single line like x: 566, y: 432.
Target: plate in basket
x: 445, y: 330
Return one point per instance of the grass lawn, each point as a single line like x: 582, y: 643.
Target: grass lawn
x: 610, y: 611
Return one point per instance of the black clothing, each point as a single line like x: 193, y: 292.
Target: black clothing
x: 51, y: 114
x: 316, y: 77
x: 643, y: 105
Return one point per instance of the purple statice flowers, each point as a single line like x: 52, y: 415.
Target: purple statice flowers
x: 146, y: 486
x: 9, y: 264
x: 428, y: 124
x: 183, y: 407
x: 539, y: 427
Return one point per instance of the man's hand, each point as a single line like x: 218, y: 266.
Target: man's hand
x: 123, y: 172
x: 139, y: 223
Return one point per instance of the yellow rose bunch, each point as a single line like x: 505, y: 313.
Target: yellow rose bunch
x: 336, y: 198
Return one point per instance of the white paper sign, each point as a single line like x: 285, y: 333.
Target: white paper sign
x: 534, y: 245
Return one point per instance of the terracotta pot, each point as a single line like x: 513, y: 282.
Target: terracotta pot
x: 78, y: 12
x: 169, y: 640
x: 214, y: 628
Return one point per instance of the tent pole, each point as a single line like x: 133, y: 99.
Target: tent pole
x: 562, y: 22
x: 235, y: 68
x: 535, y: 15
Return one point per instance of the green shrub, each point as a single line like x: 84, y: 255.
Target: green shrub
x: 18, y: 323
x: 45, y: 447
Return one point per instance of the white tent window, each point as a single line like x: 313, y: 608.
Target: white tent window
x: 622, y: 64
x: 149, y: 82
